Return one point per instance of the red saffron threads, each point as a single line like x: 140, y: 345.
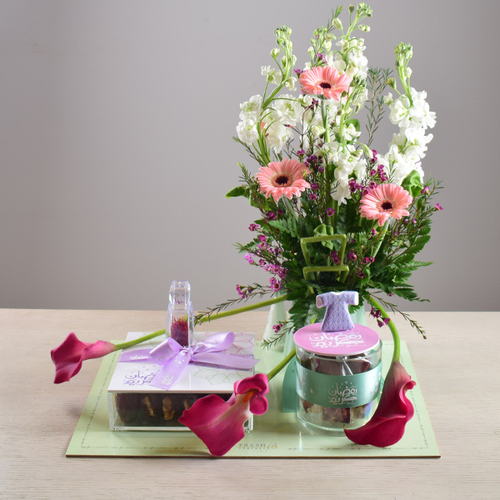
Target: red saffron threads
x: 179, y: 331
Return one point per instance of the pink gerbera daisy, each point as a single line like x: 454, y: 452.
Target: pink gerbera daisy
x: 325, y: 81
x: 386, y: 200
x: 283, y: 178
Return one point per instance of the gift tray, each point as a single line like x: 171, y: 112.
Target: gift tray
x: 276, y: 434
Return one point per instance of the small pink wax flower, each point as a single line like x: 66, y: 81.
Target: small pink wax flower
x: 385, y: 201
x: 70, y: 355
x: 387, y: 425
x: 284, y: 178
x: 438, y: 207
x: 219, y: 424
x: 324, y: 81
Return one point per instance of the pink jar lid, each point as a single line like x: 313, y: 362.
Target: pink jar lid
x: 355, y: 341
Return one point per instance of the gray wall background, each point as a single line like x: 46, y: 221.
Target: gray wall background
x: 116, y: 120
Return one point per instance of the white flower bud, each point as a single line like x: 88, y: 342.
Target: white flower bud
x: 317, y: 130
x: 290, y: 83
x: 311, y: 52
x: 337, y: 23
x: 408, y: 72
x: 388, y: 99
x: 275, y: 53
x: 364, y: 27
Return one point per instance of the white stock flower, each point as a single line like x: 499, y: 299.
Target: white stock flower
x: 399, y: 110
x: 335, y: 61
x: 305, y: 100
x: 317, y: 131
x: 250, y: 117
x: 351, y: 133
x: 252, y: 106
x: 341, y: 192
x: 388, y: 99
x: 400, y: 165
x: 278, y: 135
x: 357, y: 64
x: 359, y: 168
x: 415, y: 115
x: 272, y: 74
x: 290, y: 83
x: 416, y: 144
x: 286, y: 109
x: 247, y: 131
x: 361, y: 99
x: 330, y: 151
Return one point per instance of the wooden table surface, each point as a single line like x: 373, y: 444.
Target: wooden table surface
x: 457, y: 369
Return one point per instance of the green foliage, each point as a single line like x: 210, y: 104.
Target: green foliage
x: 237, y: 191
x: 412, y: 183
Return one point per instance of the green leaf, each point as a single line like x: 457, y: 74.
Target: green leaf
x: 285, y: 225
x: 419, y: 244
x: 412, y: 183
x: 419, y: 263
x: 237, y: 191
x: 404, y: 259
x: 354, y: 122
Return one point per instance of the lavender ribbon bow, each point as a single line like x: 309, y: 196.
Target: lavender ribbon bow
x: 173, y: 358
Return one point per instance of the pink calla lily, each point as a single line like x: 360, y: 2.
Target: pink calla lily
x: 219, y: 424
x: 70, y: 355
x: 387, y: 425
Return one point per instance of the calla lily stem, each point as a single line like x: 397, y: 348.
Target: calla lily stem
x: 392, y: 327
x: 281, y: 365
x: 219, y: 315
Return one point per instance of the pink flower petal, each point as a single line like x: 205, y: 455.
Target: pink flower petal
x: 271, y: 179
x: 219, y: 424
x: 385, y: 201
x: 258, y: 383
x: 324, y: 81
x: 70, y: 355
x: 387, y: 425
x: 216, y: 423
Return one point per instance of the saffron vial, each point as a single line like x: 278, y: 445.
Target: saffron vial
x: 338, y: 377
x: 180, y: 317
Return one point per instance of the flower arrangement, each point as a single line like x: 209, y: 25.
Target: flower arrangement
x: 334, y: 214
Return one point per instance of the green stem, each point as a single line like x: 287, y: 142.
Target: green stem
x: 324, y: 116
x: 281, y: 365
x: 289, y: 208
x: 392, y: 327
x: 131, y: 343
x: 330, y: 202
x: 219, y: 315
x: 243, y: 309
x: 379, y: 240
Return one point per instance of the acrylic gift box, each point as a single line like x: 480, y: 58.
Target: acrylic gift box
x: 134, y: 404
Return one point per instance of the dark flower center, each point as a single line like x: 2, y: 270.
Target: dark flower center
x: 325, y: 85
x: 281, y: 181
x: 386, y: 205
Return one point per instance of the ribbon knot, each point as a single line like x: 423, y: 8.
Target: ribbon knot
x: 174, y: 358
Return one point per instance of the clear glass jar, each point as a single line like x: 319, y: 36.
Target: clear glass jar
x: 338, y: 377
x: 180, y: 317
